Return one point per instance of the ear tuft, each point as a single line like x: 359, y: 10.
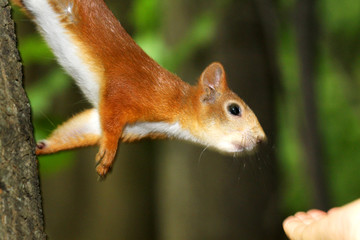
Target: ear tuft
x: 212, y: 82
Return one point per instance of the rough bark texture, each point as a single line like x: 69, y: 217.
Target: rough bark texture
x: 20, y: 201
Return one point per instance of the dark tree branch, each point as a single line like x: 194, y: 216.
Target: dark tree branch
x: 20, y: 201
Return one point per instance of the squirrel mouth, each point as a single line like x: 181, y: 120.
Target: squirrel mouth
x: 241, y: 147
x: 238, y: 147
x: 248, y: 143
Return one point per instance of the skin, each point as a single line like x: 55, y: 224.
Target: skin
x: 338, y: 223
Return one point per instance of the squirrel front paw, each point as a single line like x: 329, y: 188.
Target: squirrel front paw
x: 104, y: 161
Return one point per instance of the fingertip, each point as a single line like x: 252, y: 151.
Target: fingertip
x: 291, y: 225
x: 316, y: 213
x: 287, y: 220
x: 301, y: 216
x: 310, y: 216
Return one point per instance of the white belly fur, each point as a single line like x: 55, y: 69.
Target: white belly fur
x: 65, y: 48
x: 143, y: 129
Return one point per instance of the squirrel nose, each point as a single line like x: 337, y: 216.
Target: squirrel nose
x: 261, y: 138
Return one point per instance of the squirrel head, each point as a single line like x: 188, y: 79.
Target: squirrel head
x: 223, y: 120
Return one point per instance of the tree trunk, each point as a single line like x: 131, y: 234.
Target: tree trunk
x: 307, y: 41
x: 20, y: 200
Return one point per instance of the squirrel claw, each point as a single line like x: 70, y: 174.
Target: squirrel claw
x: 40, y: 146
x: 102, y: 171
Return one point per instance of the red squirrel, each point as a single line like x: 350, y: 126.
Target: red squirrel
x: 133, y: 96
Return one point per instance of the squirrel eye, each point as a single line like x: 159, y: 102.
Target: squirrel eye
x: 234, y: 109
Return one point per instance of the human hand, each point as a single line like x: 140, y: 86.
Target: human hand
x: 337, y: 223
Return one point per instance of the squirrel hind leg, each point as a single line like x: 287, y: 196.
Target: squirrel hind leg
x: 79, y: 131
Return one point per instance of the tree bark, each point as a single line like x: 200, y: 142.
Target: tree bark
x: 20, y: 201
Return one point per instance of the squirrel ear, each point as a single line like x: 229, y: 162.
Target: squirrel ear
x: 212, y: 82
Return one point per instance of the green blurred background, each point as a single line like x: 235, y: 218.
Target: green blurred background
x: 296, y: 63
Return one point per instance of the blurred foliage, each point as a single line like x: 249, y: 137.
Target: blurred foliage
x: 337, y: 99
x: 148, y: 34
x: 337, y: 90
